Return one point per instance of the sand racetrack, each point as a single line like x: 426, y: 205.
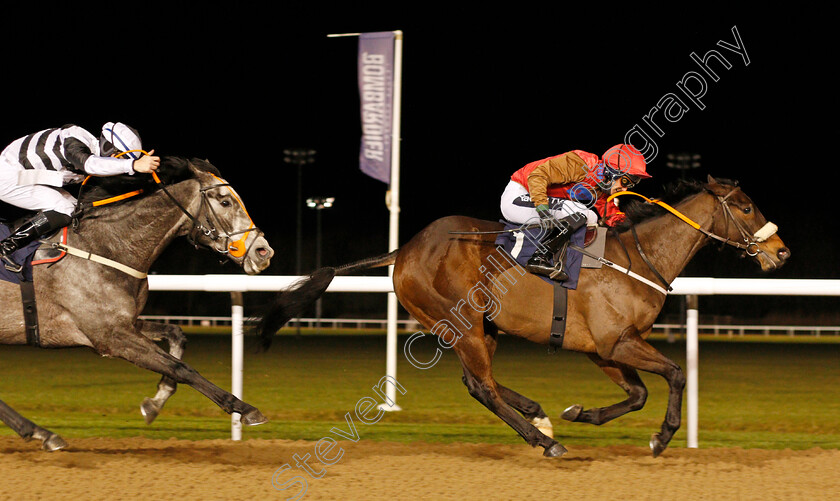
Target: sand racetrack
x: 136, y: 468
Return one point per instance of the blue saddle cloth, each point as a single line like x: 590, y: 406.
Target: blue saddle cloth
x: 21, y: 256
x: 521, y: 245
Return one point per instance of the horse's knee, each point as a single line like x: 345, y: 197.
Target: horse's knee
x: 175, y: 336
x: 638, y: 397
x: 176, y: 339
x: 481, y: 392
x: 176, y: 333
x: 676, y: 377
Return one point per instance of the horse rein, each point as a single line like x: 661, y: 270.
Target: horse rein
x: 750, y: 241
x: 235, y: 248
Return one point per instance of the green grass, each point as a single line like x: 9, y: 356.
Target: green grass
x: 757, y: 394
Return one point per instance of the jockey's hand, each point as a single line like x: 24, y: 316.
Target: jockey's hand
x: 547, y: 220
x: 147, y: 163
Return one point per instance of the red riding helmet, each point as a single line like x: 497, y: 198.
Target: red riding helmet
x: 625, y: 159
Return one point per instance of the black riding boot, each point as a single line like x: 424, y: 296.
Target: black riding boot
x: 540, y: 262
x: 32, y: 229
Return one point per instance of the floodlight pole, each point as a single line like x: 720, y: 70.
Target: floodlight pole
x: 319, y: 204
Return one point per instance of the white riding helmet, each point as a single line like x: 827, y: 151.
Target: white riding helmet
x: 119, y: 137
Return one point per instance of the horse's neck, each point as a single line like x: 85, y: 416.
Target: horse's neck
x: 136, y: 234
x: 669, y: 242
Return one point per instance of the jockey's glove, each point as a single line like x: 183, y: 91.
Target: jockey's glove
x: 547, y: 219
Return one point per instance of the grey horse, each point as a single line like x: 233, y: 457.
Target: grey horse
x: 85, y: 303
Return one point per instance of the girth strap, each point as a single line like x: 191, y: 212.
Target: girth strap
x: 558, y: 317
x: 30, y: 313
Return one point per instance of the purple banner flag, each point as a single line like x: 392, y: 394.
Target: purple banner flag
x: 376, y: 92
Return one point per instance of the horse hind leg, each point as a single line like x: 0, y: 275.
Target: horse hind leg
x: 531, y: 410
x: 174, y: 337
x: 625, y: 377
x: 479, y: 381
x: 29, y: 430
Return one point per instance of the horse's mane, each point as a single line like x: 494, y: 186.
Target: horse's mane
x: 172, y: 170
x: 637, y: 210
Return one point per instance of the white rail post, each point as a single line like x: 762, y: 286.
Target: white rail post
x: 237, y: 351
x: 691, y: 354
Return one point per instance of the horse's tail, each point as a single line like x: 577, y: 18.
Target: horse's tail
x: 368, y: 263
x: 291, y: 303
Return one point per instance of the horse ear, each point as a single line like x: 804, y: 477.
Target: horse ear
x: 710, y: 179
x: 204, y: 166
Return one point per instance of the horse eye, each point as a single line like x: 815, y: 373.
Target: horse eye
x: 225, y: 203
x: 747, y: 210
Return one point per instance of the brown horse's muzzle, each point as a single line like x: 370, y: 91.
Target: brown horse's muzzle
x: 772, y: 253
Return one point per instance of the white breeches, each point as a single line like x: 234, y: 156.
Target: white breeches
x: 32, y: 196
x: 517, y: 207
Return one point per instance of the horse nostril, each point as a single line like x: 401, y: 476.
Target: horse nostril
x: 783, y: 253
x: 262, y: 251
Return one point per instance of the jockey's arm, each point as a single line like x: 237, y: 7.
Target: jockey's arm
x: 565, y: 169
x: 83, y: 160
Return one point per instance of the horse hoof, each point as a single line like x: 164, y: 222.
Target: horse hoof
x: 149, y: 410
x: 572, y: 412
x: 656, y: 445
x: 253, y: 418
x: 53, y: 443
x: 544, y: 426
x: 555, y: 451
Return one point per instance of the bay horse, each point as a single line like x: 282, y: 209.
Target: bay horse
x: 439, y: 272
x: 85, y: 303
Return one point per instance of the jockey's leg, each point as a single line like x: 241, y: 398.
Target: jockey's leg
x: 553, y: 241
x: 35, y: 227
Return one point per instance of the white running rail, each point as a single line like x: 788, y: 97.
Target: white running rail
x: 691, y: 287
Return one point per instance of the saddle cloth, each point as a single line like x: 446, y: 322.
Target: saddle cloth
x: 521, y: 245
x: 21, y: 256
x: 25, y: 256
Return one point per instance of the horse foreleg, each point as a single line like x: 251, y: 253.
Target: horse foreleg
x: 175, y: 339
x: 629, y: 381
x: 29, y: 430
x: 631, y: 350
x: 143, y: 353
x: 481, y: 385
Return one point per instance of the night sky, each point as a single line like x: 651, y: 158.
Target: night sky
x: 484, y: 93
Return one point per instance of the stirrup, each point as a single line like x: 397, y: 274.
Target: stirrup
x: 559, y: 275
x: 541, y: 266
x: 10, y: 264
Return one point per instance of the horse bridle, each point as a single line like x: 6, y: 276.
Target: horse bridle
x: 208, y: 229
x: 751, y: 241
